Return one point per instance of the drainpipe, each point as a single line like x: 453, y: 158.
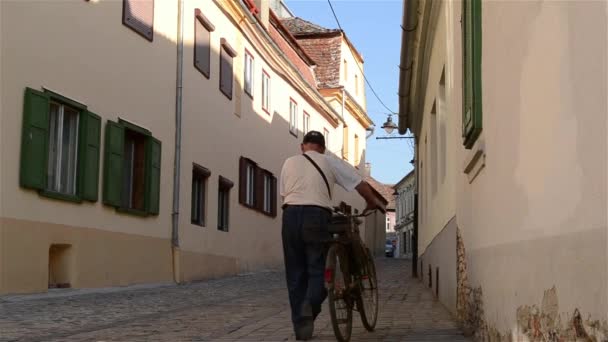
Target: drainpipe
x: 409, y: 28
x: 178, y: 141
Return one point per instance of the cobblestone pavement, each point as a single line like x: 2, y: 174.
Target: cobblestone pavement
x: 244, y: 308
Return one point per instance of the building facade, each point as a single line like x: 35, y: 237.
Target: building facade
x: 119, y: 170
x: 507, y: 101
x: 405, y: 191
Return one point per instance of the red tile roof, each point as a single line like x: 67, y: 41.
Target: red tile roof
x: 298, y: 26
x: 326, y: 52
x: 386, y: 190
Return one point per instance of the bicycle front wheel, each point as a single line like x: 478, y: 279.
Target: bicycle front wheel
x: 367, y: 301
x: 337, y: 281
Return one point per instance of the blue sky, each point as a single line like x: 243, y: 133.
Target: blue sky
x: 374, y: 28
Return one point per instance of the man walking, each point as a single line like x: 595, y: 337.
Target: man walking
x: 306, y: 187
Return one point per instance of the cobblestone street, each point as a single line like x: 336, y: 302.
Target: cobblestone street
x: 245, y: 308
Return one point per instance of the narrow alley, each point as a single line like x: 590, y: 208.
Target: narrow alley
x: 244, y: 308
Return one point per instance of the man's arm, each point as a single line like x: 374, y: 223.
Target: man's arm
x: 366, y: 191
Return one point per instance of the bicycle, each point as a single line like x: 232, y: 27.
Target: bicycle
x: 350, y: 276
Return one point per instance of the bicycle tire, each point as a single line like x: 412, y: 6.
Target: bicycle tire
x: 368, y: 285
x: 337, y: 279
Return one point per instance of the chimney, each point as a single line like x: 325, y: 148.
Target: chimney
x: 368, y: 169
x: 263, y: 7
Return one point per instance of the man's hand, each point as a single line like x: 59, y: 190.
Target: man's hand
x: 366, y: 191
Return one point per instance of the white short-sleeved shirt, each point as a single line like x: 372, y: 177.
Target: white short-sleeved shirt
x: 302, y: 184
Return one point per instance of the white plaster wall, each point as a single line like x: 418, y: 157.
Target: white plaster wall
x: 82, y: 50
x: 214, y: 137
x: 535, y: 217
x: 354, y: 67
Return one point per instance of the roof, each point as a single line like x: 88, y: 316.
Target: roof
x: 410, y: 174
x: 385, y: 190
x: 298, y: 27
x: 324, y: 46
x: 326, y: 52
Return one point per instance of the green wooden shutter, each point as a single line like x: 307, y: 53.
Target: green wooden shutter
x: 471, y: 49
x: 153, y: 158
x: 113, y: 164
x: 88, y: 159
x: 34, y: 140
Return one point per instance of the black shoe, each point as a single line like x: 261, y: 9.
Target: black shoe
x: 305, y: 329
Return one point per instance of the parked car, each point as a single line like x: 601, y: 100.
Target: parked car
x: 389, y: 249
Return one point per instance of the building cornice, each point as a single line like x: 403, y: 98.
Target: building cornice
x: 350, y: 103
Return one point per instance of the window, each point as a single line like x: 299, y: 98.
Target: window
x: 472, y: 107
x: 63, y: 144
x: 266, y: 92
x: 356, y: 84
x: 326, y: 135
x: 202, y: 46
x: 257, y: 188
x: 227, y: 54
x: 199, y: 194
x: 268, y: 193
x: 345, y: 143
x: 248, y: 73
x: 306, y: 123
x: 138, y: 15
x: 345, y: 70
x: 134, y: 170
x: 293, y: 117
x: 59, y: 147
x: 357, y: 156
x: 250, y: 184
x: 223, y: 203
x: 131, y: 169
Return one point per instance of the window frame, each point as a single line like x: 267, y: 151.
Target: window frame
x: 149, y: 36
x: 249, y: 71
x: 255, y: 187
x: 200, y: 20
x: 293, y: 117
x: 200, y: 174
x: 228, y: 54
x: 34, y: 157
x: 305, y: 122
x: 224, y: 187
x: 266, y: 91
x: 151, y: 174
x: 59, y: 172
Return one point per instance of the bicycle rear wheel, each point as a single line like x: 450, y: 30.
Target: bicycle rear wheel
x: 367, y: 301
x: 337, y: 281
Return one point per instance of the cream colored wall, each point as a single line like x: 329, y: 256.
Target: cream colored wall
x: 535, y: 217
x: 214, y: 137
x: 103, y: 64
x: 436, y: 200
x: 354, y: 67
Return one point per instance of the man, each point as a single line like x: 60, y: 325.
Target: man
x: 307, y: 209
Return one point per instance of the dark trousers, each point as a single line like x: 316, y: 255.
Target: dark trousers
x: 304, y: 232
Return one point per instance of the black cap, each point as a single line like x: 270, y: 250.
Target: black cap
x: 314, y: 137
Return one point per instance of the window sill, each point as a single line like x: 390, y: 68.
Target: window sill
x: 295, y: 134
x: 60, y: 196
x: 135, y: 212
x: 249, y: 94
x: 265, y: 213
x: 202, y: 225
x: 475, y: 160
x: 222, y: 229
